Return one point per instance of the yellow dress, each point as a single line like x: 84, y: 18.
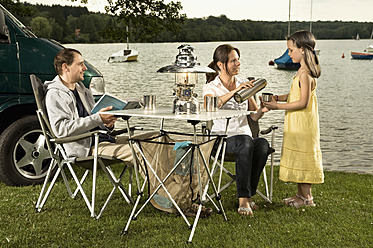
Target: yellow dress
x: 301, y: 160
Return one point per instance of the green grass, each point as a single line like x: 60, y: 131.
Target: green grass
x: 343, y: 218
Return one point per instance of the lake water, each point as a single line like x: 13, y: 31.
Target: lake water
x: 345, y: 91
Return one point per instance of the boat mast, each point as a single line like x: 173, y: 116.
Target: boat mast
x: 311, y: 19
x: 128, y: 43
x: 289, y: 18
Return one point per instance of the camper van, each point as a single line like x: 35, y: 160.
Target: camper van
x: 24, y: 159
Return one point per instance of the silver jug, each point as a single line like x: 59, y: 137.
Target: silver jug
x: 246, y: 93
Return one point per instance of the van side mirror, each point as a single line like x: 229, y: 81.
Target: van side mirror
x: 4, y: 32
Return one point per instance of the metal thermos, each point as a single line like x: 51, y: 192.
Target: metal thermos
x: 244, y: 94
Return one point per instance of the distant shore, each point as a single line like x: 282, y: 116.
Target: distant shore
x: 77, y: 25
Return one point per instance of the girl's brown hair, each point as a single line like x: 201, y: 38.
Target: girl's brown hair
x: 305, y: 40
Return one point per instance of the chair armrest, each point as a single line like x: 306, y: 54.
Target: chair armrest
x: 122, y: 131
x: 268, y: 130
x: 77, y: 137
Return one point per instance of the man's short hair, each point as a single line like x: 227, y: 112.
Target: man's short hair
x: 66, y: 55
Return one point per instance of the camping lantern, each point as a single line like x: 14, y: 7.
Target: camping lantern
x: 186, y: 69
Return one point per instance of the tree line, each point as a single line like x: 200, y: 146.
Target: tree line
x: 223, y: 29
x: 68, y: 24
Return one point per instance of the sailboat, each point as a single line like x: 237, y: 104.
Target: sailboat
x: 285, y: 62
x: 367, y: 54
x: 125, y: 55
x: 317, y: 51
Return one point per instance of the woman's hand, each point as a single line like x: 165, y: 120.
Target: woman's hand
x: 258, y: 111
x: 263, y: 108
x: 108, y: 119
x: 248, y: 84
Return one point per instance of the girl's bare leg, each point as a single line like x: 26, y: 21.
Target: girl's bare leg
x: 305, y: 189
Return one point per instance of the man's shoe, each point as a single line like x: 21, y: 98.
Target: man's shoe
x: 192, y: 211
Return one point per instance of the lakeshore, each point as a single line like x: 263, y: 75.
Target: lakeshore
x: 344, y: 90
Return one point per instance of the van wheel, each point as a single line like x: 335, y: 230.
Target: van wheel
x: 24, y: 156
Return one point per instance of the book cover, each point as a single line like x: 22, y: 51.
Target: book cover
x: 108, y: 100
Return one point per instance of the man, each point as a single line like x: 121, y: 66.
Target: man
x: 69, y: 105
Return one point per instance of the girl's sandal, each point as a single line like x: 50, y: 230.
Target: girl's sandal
x: 306, y: 202
x: 289, y: 199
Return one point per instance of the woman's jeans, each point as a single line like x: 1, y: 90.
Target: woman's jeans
x: 251, y: 157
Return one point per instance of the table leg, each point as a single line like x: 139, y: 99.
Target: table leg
x: 140, y: 189
x: 203, y: 193
x: 135, y: 165
x: 218, y: 196
x: 125, y: 230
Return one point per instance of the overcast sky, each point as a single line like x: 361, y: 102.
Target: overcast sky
x: 267, y: 10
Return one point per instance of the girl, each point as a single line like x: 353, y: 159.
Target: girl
x: 301, y: 155
x: 251, y: 154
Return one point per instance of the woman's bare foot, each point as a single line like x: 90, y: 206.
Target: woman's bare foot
x: 244, y: 206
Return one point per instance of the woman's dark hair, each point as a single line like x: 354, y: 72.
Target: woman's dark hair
x: 66, y: 55
x: 305, y: 40
x: 220, y: 54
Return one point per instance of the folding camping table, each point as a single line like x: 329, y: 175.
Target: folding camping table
x: 163, y: 113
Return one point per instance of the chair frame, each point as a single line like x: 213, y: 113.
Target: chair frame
x: 268, y: 190
x: 60, y: 160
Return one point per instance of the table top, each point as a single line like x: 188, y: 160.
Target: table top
x: 166, y: 113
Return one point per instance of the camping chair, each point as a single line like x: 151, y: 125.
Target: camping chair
x: 254, y: 125
x: 59, y: 160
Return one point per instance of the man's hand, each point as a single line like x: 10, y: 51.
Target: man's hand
x: 108, y: 119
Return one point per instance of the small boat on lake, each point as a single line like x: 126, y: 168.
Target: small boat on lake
x: 126, y: 55
x: 285, y: 62
x: 366, y: 54
x: 361, y: 55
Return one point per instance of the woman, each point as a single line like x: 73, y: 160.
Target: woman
x: 251, y: 154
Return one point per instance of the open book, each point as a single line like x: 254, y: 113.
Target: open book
x: 109, y: 100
